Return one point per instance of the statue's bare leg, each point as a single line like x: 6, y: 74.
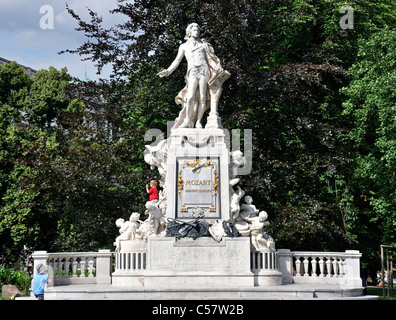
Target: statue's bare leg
x: 192, y: 87
x: 202, y: 100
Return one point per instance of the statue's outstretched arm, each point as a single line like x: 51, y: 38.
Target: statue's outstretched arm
x: 174, y: 65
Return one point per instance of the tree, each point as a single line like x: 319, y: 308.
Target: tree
x: 371, y: 109
x: 65, y: 178
x: 14, y: 92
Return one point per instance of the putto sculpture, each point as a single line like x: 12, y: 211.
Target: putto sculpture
x: 128, y: 229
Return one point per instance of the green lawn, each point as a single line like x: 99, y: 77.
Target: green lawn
x: 373, y: 291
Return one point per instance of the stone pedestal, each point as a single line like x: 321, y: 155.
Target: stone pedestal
x: 352, y: 269
x: 203, y: 263
x: 213, y: 121
x: 198, y: 174
x: 265, y: 267
x: 286, y: 265
x: 103, y: 266
x: 167, y: 262
x: 131, y: 264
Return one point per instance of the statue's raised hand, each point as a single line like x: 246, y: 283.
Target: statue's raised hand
x: 163, y: 73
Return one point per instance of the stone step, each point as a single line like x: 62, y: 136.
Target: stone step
x: 283, y: 292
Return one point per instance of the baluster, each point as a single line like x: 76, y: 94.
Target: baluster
x: 273, y: 260
x: 335, y: 266
x: 273, y: 255
x: 321, y: 267
x: 119, y: 254
x: 90, y: 266
x: 342, y: 267
x: 313, y: 263
x: 56, y: 266
x: 328, y: 265
x: 122, y: 261
x: 266, y: 261
x: 51, y: 264
x: 60, y: 266
x: 82, y: 266
x: 74, y: 267
x: 140, y: 260
x: 134, y: 261
x: 298, y: 262
x: 306, y: 262
x: 67, y: 266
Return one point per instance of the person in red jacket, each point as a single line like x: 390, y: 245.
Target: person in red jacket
x: 153, y: 191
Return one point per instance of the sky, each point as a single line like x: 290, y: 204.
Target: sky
x: 26, y: 38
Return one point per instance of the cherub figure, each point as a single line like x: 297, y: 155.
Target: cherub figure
x: 248, y: 209
x: 257, y: 235
x: 155, y: 216
x: 127, y: 229
x: 145, y: 230
x: 235, y: 198
x: 237, y: 160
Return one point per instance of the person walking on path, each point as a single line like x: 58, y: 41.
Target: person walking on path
x: 39, y: 281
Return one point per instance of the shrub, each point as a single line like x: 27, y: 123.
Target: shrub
x: 21, y: 279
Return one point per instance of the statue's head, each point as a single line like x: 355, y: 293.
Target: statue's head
x: 150, y: 205
x: 119, y: 222
x: 134, y: 217
x: 192, y: 27
x: 263, y: 215
x: 248, y: 199
x: 237, y: 155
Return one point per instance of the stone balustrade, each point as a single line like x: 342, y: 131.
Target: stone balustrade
x: 267, y: 260
x: 130, y: 261
x: 76, y: 267
x: 319, y: 264
x: 342, y: 268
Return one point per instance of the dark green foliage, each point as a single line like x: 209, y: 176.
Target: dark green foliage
x: 21, y: 279
x: 64, y: 178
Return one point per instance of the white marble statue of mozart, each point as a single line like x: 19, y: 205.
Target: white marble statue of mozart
x: 204, y: 79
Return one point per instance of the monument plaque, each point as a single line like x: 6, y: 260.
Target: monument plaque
x: 198, y: 187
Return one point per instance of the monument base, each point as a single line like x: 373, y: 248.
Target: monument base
x: 203, y: 262
x: 167, y: 262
